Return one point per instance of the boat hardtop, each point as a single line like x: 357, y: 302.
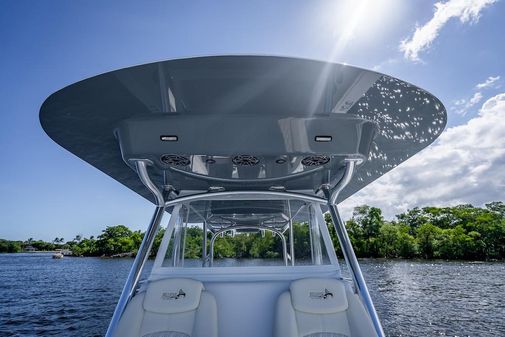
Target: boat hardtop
x: 243, y: 122
x: 246, y: 152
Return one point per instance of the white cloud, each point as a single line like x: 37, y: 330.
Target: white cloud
x: 461, y: 106
x: 475, y: 99
x: 466, y: 165
x: 490, y: 82
x: 423, y: 37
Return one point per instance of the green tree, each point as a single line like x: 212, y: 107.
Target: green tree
x: 7, y: 246
x: 357, y: 237
x: 455, y: 243
x: 301, y: 243
x: 194, y: 240
x: 428, y: 236
x: 413, y: 219
x: 157, y: 241
x: 223, y: 247
x: 264, y: 247
x: 136, y: 238
x: 115, y: 240
x: 389, y: 240
x: 370, y: 220
x: 407, y: 243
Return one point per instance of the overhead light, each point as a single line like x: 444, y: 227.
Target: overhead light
x: 169, y: 138
x: 323, y: 139
x: 216, y: 189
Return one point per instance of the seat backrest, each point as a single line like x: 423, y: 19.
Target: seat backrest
x: 313, y: 307
x: 170, y: 308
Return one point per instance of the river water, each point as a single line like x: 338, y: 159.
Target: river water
x: 40, y: 296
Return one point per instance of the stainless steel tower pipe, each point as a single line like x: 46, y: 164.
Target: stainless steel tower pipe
x: 345, y: 243
x: 145, y: 247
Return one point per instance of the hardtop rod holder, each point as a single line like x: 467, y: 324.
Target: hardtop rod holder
x: 145, y: 247
x: 345, y: 243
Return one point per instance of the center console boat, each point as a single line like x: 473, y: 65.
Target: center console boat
x: 244, y: 152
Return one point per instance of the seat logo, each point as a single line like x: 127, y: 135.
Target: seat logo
x: 173, y: 295
x: 320, y: 295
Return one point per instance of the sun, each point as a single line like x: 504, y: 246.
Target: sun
x: 358, y: 22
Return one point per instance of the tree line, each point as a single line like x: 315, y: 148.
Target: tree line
x: 460, y: 232
x: 114, y: 240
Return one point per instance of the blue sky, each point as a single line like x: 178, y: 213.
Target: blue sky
x: 448, y: 48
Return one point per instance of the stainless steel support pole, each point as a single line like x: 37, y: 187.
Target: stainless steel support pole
x: 291, y: 236
x: 184, y: 232
x: 136, y: 270
x: 348, y: 251
x: 144, y: 249
x: 311, y: 238
x: 141, y: 166
x: 204, y: 244
x: 315, y: 237
x: 352, y: 263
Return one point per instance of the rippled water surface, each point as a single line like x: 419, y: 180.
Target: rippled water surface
x: 40, y: 296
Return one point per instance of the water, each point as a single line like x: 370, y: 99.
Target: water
x: 40, y: 296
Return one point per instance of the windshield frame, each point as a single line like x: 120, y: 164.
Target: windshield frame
x: 315, y: 205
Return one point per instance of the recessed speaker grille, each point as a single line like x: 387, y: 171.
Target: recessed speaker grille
x: 245, y: 160
x: 175, y: 160
x: 315, y: 160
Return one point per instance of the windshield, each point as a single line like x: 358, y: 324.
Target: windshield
x: 233, y: 233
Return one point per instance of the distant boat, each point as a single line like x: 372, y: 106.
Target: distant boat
x: 30, y: 249
x: 66, y: 252
x: 58, y: 254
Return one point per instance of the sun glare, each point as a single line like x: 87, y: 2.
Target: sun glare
x: 358, y: 22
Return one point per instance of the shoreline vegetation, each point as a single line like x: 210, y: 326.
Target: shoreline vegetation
x: 462, y: 232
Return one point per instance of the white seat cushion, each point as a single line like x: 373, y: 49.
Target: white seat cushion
x: 318, y: 296
x: 313, y: 308
x: 170, y: 308
x: 317, y: 307
x: 172, y: 296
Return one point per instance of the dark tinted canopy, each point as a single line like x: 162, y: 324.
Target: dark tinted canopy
x: 243, y: 122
